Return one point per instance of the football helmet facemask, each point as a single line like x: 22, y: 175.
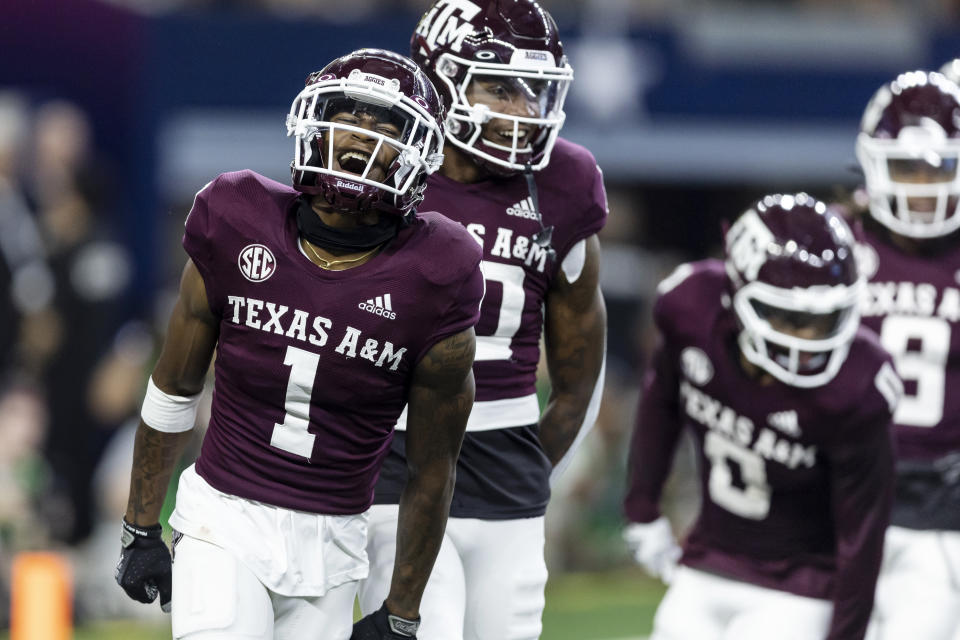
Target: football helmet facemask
x: 486, y: 57
x: 909, y: 148
x: 394, y: 115
x: 794, y: 288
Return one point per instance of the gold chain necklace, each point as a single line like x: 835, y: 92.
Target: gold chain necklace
x: 326, y: 264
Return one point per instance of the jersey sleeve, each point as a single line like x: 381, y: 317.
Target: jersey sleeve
x: 198, y: 241
x: 655, y: 436
x: 593, y: 217
x: 862, y: 479
x: 196, y: 237
x: 575, y: 199
x: 463, y: 311
x: 658, y: 426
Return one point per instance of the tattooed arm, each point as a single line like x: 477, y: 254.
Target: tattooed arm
x: 180, y: 371
x: 575, y: 335
x: 441, y: 397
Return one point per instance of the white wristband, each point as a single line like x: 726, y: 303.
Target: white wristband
x: 170, y: 414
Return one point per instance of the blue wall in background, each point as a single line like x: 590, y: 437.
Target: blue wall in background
x: 130, y: 72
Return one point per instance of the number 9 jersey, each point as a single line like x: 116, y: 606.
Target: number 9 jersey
x: 313, y: 367
x: 912, y: 300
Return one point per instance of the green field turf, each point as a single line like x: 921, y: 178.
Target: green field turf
x: 595, y: 606
x: 600, y: 606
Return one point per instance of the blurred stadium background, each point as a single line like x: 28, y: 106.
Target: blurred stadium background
x: 113, y: 113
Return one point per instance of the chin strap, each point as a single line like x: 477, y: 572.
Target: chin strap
x: 543, y: 237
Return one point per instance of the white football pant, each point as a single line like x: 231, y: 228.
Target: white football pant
x: 487, y: 583
x: 704, y: 606
x: 249, y: 570
x: 295, y: 553
x: 918, y: 594
x: 216, y: 597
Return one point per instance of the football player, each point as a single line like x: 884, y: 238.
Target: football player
x: 330, y: 309
x: 789, y: 402
x: 535, y: 203
x: 909, y: 147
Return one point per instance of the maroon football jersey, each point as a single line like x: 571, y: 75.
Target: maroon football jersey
x: 500, y: 215
x: 913, y: 302
x: 796, y: 482
x: 502, y: 471
x: 313, y: 366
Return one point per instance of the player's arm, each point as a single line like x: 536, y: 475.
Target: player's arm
x: 861, y: 493
x: 658, y: 424
x: 180, y: 372
x: 653, y: 443
x: 652, y: 448
x: 167, y: 417
x: 441, y: 397
x: 575, y: 330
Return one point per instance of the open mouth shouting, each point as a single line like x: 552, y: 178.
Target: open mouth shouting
x: 355, y: 162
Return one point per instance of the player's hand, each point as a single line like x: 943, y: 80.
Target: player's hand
x: 144, y: 569
x: 654, y: 547
x: 383, y: 625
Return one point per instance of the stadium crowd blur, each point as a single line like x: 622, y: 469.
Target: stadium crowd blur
x: 71, y: 363
x: 78, y: 333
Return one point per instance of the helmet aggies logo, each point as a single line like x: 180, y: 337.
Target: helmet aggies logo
x: 441, y: 27
x: 256, y: 262
x: 747, y: 243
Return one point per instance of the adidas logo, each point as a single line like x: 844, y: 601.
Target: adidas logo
x: 380, y: 306
x: 785, y: 421
x: 523, y: 209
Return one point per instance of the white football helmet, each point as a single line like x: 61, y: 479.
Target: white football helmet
x: 794, y: 288
x: 513, y: 42
x: 909, y: 148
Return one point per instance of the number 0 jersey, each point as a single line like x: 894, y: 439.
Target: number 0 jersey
x: 913, y: 302
x: 796, y: 483
x: 502, y: 472
x: 313, y: 366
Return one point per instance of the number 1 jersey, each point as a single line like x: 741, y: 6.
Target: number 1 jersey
x: 313, y: 366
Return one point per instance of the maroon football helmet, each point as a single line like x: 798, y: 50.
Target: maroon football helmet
x: 514, y: 43
x: 795, y: 287
x: 405, y: 116
x: 909, y: 147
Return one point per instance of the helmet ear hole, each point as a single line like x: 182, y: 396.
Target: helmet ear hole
x: 449, y: 68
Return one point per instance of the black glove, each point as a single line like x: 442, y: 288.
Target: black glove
x: 383, y: 625
x: 144, y: 569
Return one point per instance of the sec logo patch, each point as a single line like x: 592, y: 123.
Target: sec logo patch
x: 696, y: 366
x: 256, y: 263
